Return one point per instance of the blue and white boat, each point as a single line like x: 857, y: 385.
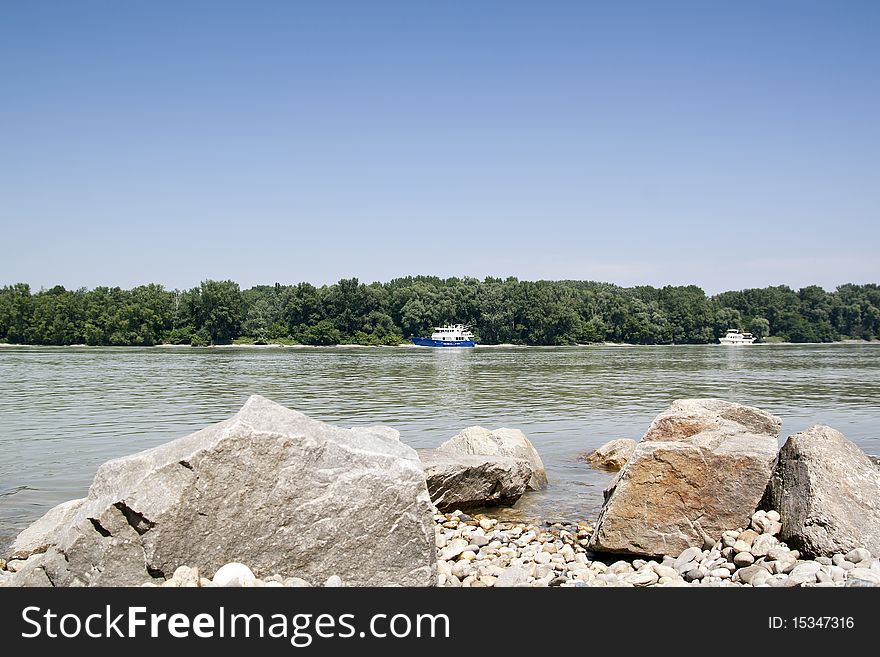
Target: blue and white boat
x: 448, y: 336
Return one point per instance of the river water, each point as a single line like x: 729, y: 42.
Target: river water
x: 66, y: 410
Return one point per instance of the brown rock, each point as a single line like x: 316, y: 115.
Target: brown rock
x: 701, y: 468
x: 613, y: 455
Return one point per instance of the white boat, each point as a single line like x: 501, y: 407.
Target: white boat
x: 735, y: 336
x: 456, y: 335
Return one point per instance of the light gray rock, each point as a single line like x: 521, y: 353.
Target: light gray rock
x: 750, y: 573
x: 269, y: 487
x: 333, y: 582
x: 186, y: 576
x: 863, y: 576
x: 700, y: 469
x: 763, y: 544
x: 642, y: 578
x: 512, y: 577
x: 464, y: 481
x: 509, y: 443
x: 296, y: 583
x: 827, y: 492
x: 856, y: 555
x: 613, y: 455
x: 688, y: 557
x: 233, y: 574
x: 804, y: 572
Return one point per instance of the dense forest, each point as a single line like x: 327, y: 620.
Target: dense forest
x: 497, y: 310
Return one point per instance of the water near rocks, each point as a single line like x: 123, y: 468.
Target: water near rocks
x: 66, y: 410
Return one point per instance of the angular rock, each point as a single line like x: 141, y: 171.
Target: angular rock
x: 269, y: 487
x: 613, y: 455
x: 827, y: 492
x: 701, y: 468
x: 462, y: 481
x: 510, y: 443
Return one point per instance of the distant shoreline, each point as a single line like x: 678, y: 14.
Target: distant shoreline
x: 278, y: 345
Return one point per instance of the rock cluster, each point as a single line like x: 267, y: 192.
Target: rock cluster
x: 702, y: 467
x: 481, y: 552
x: 237, y: 575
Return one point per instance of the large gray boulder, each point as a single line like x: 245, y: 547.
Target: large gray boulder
x: 511, y: 443
x: 828, y: 494
x: 613, y: 455
x: 464, y: 481
x: 269, y: 487
x: 700, y: 469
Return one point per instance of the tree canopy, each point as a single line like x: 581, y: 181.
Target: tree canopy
x: 498, y: 311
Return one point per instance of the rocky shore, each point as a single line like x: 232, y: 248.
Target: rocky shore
x: 273, y: 498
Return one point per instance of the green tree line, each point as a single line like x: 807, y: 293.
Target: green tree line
x: 498, y: 311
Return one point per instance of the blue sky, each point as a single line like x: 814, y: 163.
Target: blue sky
x: 727, y: 144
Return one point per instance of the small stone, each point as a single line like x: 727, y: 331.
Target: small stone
x: 511, y: 577
x: 334, y: 581
x: 461, y: 569
x: 665, y: 571
x: 542, y: 557
x: 296, y: 583
x: 748, y: 537
x: 743, y: 559
x: 694, y: 575
x: 741, y: 546
x: 763, y: 544
x: 837, y: 573
x: 204, y: 582
x: 750, y: 573
x: 233, y: 574
x: 642, y: 578
x: 686, y: 558
x: 171, y: 583
x: 805, y: 572
x: 862, y: 577
x: 488, y: 580
x: 825, y: 561
x: 857, y: 555
x: 774, y: 516
x: 2, y: 564
x: 480, y: 540
x: 186, y: 576
x: 720, y: 573
x: 779, y: 553
x: 822, y: 576
x: 488, y: 523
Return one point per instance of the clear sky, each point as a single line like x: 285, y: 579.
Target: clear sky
x: 727, y: 144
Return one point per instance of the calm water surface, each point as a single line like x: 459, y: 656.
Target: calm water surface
x: 64, y: 411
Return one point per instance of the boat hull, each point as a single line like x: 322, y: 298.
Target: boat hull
x: 428, y: 342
